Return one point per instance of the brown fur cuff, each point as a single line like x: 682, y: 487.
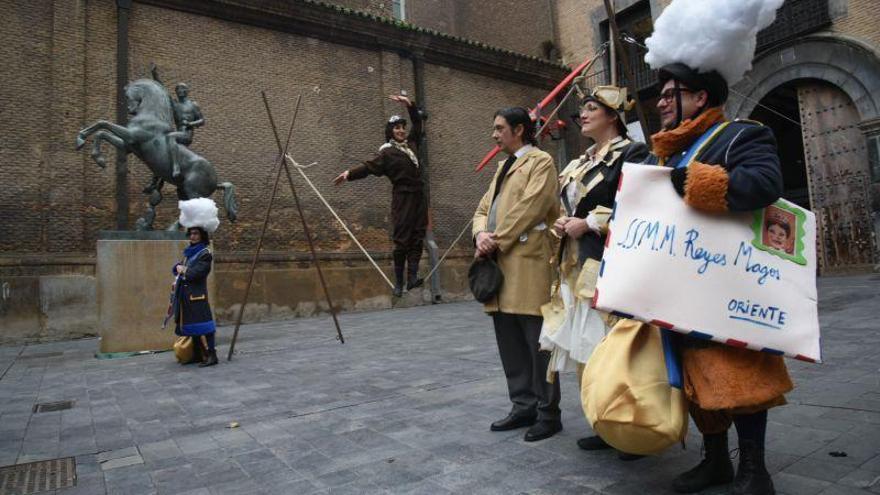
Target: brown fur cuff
x: 705, y: 187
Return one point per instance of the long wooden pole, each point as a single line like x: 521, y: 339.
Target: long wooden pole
x: 302, y: 217
x: 627, y: 69
x: 247, y: 289
x: 336, y: 216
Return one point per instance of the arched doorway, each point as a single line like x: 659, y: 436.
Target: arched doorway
x: 822, y: 89
x: 779, y: 110
x: 824, y: 167
x: 836, y: 157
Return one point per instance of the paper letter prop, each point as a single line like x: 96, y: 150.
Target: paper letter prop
x: 742, y: 279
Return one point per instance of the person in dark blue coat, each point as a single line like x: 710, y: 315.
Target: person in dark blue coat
x: 191, y: 310
x: 720, y: 166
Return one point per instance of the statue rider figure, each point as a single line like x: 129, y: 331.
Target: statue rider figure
x: 187, y: 116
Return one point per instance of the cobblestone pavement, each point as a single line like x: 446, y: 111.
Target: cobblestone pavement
x: 403, y: 406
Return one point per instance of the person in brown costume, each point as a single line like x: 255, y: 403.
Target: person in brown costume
x: 397, y: 160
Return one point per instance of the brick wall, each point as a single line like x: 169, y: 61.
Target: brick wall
x: 459, y: 133
x: 63, y: 198
x: 27, y: 34
x: 438, y: 15
x: 516, y: 25
x: 857, y: 18
x: 576, y: 32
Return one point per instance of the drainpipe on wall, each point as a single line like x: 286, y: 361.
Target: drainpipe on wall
x: 433, y: 251
x: 123, y: 9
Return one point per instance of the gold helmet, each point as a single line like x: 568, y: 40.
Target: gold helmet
x: 615, y: 98
x: 611, y: 96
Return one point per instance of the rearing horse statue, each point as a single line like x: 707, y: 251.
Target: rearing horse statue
x: 150, y: 135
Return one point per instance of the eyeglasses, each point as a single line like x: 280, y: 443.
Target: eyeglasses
x: 669, y: 94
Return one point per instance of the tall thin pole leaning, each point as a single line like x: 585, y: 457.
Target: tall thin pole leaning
x: 247, y: 289
x: 302, y: 217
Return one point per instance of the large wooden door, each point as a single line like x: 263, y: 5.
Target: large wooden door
x: 836, y: 157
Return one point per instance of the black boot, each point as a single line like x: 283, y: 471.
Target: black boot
x: 714, y: 469
x: 752, y: 477
x: 398, y: 279
x: 593, y: 443
x: 210, y: 359
x: 413, y: 279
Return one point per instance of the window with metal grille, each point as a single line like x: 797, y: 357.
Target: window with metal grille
x: 795, y: 18
x: 634, y: 22
x: 874, y: 157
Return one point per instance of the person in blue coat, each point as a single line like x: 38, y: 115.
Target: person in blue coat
x: 721, y: 166
x: 192, y: 312
x: 190, y: 307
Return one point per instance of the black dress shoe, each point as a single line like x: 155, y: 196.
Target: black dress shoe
x: 593, y: 443
x: 512, y: 422
x: 542, y: 430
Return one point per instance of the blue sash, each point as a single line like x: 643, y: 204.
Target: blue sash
x: 673, y: 362
x: 699, y: 144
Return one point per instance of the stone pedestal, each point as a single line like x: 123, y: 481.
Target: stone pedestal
x: 134, y: 280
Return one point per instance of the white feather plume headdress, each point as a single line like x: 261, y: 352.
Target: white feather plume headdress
x: 709, y: 35
x: 199, y: 212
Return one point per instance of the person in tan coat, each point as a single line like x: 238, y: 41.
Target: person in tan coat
x: 511, y: 224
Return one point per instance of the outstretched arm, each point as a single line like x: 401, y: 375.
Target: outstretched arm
x: 376, y: 166
x: 415, y: 133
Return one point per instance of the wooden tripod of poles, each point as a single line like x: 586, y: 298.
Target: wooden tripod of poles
x: 282, y: 166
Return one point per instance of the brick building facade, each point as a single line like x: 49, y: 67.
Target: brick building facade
x: 61, y: 59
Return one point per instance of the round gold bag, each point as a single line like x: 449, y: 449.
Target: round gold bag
x: 626, y: 395
x: 184, y: 349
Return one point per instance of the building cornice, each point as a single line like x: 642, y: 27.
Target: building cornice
x: 362, y: 30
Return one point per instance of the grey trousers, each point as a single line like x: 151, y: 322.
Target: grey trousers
x: 525, y: 366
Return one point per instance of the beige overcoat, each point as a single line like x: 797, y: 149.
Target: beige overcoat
x: 527, y: 208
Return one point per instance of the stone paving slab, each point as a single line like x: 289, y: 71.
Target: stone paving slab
x: 403, y: 407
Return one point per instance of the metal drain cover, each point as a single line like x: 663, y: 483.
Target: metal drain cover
x: 53, y: 406
x: 35, y: 477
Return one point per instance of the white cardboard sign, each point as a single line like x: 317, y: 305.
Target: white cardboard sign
x: 742, y: 279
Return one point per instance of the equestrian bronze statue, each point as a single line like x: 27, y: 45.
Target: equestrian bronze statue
x: 153, y: 136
